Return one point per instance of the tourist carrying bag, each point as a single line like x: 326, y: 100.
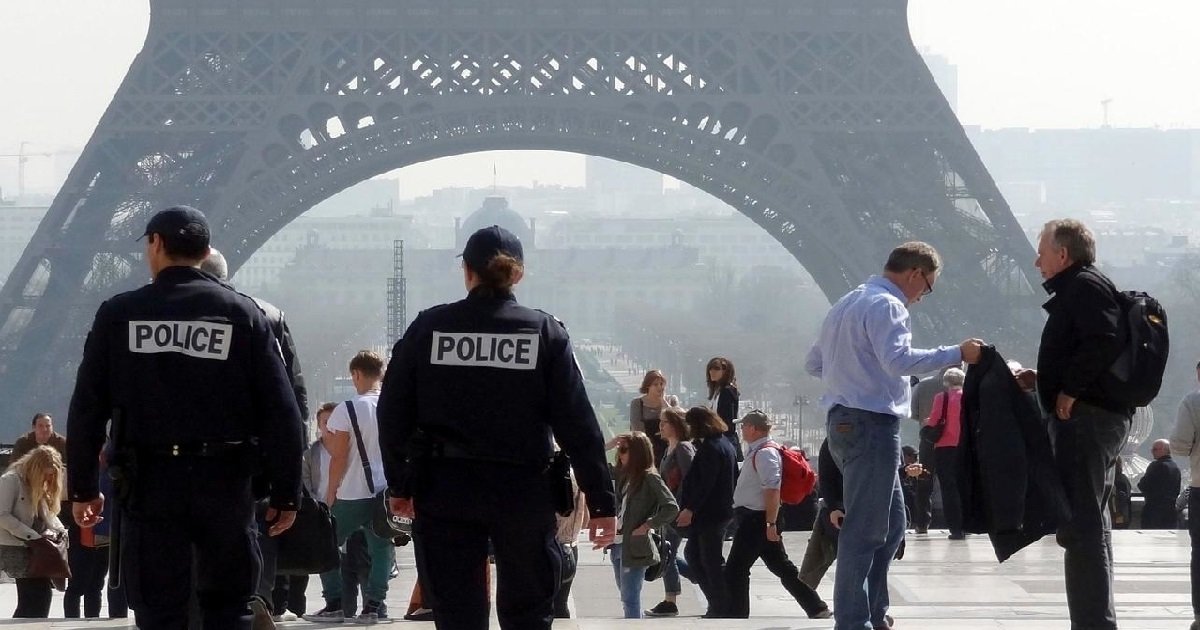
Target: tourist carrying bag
x: 797, y: 478
x: 933, y: 432
x: 48, y: 557
x: 383, y: 523
x: 310, y: 545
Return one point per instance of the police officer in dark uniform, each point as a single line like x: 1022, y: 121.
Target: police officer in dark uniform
x: 473, y: 398
x: 193, y: 381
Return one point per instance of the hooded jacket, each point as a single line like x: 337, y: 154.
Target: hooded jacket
x: 1009, y: 484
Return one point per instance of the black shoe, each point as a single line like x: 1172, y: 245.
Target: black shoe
x: 663, y: 609
x: 958, y: 536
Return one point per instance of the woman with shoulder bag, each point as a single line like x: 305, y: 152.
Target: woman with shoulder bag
x: 674, y: 467
x: 30, y: 494
x: 645, y: 504
x: 947, y: 411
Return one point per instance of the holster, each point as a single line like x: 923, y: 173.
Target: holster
x: 562, y: 488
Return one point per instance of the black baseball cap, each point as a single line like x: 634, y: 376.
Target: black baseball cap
x: 181, y: 225
x: 486, y: 242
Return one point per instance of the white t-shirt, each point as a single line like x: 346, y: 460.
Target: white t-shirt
x: 354, y: 484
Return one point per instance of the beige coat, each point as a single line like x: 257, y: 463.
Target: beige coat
x: 17, y: 513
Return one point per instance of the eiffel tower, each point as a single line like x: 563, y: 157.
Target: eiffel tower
x: 815, y: 118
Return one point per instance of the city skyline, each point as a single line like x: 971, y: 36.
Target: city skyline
x: 1072, y: 55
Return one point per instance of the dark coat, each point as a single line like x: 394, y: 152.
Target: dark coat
x: 727, y: 408
x: 1008, y: 481
x: 1161, y: 485
x: 708, y: 488
x: 1079, y: 341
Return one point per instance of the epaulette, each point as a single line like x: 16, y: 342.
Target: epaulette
x: 560, y: 322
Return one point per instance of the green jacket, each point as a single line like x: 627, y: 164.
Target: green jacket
x: 650, y: 502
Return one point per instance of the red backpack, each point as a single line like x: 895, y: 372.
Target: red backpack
x: 798, y: 478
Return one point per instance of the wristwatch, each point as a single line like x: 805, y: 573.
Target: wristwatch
x: 770, y: 524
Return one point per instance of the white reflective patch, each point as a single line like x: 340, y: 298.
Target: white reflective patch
x: 203, y: 340
x: 510, y: 352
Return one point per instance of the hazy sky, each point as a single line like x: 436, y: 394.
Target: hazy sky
x: 1028, y: 63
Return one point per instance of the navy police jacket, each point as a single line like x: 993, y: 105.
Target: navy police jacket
x: 496, y: 380
x: 186, y: 360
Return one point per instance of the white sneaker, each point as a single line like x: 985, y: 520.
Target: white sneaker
x: 286, y: 616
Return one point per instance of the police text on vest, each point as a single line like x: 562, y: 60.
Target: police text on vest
x: 510, y: 352
x: 203, y: 340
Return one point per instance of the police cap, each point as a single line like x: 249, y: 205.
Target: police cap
x: 182, y: 225
x: 486, y: 242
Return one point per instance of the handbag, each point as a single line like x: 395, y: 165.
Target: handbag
x: 384, y: 524
x: 933, y: 432
x: 310, y: 545
x: 48, y: 557
x: 660, y: 542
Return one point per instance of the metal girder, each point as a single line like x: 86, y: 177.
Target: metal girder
x: 815, y: 118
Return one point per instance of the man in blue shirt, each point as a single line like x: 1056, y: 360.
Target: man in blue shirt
x: 864, y: 355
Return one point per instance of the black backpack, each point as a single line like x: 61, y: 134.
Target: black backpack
x: 1136, y: 375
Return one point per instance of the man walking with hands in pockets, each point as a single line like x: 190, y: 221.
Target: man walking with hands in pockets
x: 863, y: 355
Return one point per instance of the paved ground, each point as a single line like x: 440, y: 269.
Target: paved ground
x: 939, y: 585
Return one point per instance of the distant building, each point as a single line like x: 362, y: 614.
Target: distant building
x: 945, y: 74
x: 374, y: 231
x: 1085, y: 168
x: 587, y: 287
x: 732, y: 241
x: 495, y: 211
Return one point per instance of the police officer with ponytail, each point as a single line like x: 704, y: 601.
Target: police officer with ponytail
x: 474, y: 396
x: 189, y: 381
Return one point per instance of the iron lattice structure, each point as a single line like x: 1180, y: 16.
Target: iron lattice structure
x: 397, y: 296
x: 815, y: 118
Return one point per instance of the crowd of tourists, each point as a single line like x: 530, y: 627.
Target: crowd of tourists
x: 685, y: 480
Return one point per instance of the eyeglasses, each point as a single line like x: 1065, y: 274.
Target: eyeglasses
x: 928, y: 287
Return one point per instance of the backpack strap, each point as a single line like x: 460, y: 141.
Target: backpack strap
x: 769, y: 444
x: 362, y: 448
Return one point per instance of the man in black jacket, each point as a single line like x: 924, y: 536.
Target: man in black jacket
x: 1079, y: 344
x: 216, y: 265
x: 1160, y: 485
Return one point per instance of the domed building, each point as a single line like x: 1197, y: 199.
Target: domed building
x: 494, y: 211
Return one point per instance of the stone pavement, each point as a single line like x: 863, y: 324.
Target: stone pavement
x: 939, y: 585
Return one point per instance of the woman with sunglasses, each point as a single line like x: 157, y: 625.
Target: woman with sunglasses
x: 723, y: 397
x: 645, y: 504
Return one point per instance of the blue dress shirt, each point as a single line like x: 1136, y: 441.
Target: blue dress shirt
x: 864, y: 351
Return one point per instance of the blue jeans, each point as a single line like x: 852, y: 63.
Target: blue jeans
x: 671, y: 583
x: 866, y: 447
x: 629, y: 582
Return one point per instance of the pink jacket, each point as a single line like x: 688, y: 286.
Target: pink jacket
x: 950, y: 436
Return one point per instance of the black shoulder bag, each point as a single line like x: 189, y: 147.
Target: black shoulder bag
x: 383, y: 523
x: 310, y: 545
